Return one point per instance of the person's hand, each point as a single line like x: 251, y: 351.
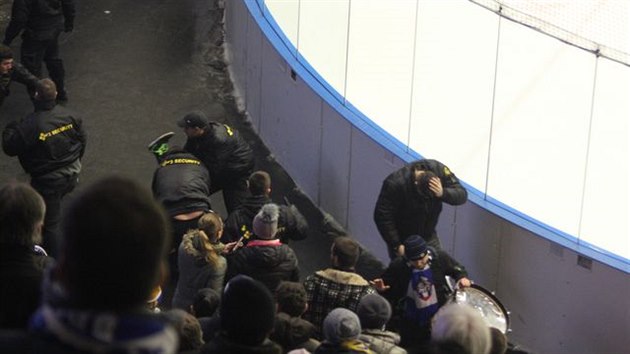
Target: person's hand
x: 435, y: 185
x: 229, y: 247
x: 464, y: 283
x: 400, y: 251
x: 379, y: 285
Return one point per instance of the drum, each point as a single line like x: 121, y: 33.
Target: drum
x: 490, y: 308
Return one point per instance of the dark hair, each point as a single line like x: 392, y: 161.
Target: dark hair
x: 46, y: 90
x: 114, y: 239
x: 291, y: 298
x: 188, y: 329
x: 422, y: 184
x: 347, y: 251
x: 5, y: 52
x: 259, y: 183
x: 21, y: 209
x: 206, y: 302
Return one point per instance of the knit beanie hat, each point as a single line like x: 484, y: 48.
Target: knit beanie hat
x: 415, y: 248
x: 341, y: 325
x: 374, y: 311
x: 265, y: 223
x: 247, y: 311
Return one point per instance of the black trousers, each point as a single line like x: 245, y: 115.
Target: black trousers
x: 34, y: 52
x: 53, y: 192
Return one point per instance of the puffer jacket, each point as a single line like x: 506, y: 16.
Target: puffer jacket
x: 268, y: 261
x: 292, y: 225
x: 195, y: 272
x: 181, y: 183
x: 226, y: 155
x: 382, y: 342
x: 401, y: 211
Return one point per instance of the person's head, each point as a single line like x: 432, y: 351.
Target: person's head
x: 259, y: 183
x: 345, y: 253
x: 341, y: 325
x: 188, y: 328
x: 247, y: 311
x: 6, y: 59
x: 265, y: 224
x: 374, y: 311
x: 22, y: 212
x: 291, y: 298
x: 417, y: 252
x: 194, y: 124
x: 45, y: 90
x: 421, y: 181
x: 205, y: 303
x: 114, y: 242
x: 499, y: 341
x: 210, y: 229
x: 463, y: 325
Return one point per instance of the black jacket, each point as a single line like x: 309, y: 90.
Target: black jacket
x: 401, y: 211
x: 398, y: 274
x: 40, y: 19
x: 226, y: 155
x: 181, y: 183
x: 21, y: 274
x: 292, y: 225
x: 18, y: 73
x: 267, y: 261
x: 50, y: 139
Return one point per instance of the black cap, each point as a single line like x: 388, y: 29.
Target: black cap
x: 415, y: 247
x: 195, y: 119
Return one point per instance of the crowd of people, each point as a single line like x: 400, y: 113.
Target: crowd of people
x: 124, y: 268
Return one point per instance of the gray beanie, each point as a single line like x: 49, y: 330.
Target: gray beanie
x: 265, y: 223
x: 341, y: 325
x: 374, y: 311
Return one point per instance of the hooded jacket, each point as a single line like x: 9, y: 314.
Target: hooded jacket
x: 195, y: 272
x: 268, y: 261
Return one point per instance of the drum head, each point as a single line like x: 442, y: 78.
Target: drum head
x: 487, y: 304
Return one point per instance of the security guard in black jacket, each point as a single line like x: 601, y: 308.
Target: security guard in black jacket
x: 49, y: 143
x: 13, y: 71
x: 410, y: 203
x: 227, y: 156
x: 41, y: 22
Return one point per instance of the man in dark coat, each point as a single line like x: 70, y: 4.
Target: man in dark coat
x: 49, y: 143
x: 41, y: 22
x: 415, y: 285
x: 410, y: 203
x: 265, y: 258
x: 13, y: 71
x: 21, y: 266
x: 292, y: 225
x: 227, y: 156
x: 181, y: 183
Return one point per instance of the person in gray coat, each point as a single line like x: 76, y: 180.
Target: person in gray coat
x: 374, y: 312
x: 200, y: 261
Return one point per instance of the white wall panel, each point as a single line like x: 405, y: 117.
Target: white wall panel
x: 606, y: 214
x: 323, y: 38
x: 286, y: 15
x: 453, y: 85
x: 380, y: 59
x: 540, y: 126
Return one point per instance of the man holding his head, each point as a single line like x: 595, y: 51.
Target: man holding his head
x: 49, y: 143
x: 410, y: 203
